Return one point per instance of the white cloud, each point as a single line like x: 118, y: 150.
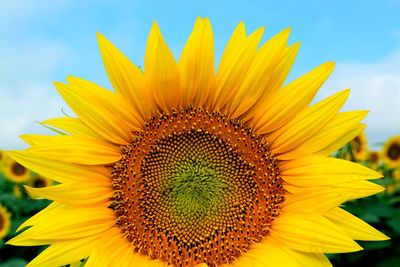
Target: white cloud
x: 26, y: 90
x: 375, y: 86
x: 21, y: 112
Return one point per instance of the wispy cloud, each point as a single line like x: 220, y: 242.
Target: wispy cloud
x: 375, y: 87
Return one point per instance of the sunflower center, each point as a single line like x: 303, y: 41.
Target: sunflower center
x: 195, y: 187
x: 394, y: 151
x: 357, y: 144
x: 18, y: 169
x: 38, y: 182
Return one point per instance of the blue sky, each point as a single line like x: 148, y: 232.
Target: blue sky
x: 44, y: 41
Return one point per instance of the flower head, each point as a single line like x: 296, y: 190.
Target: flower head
x: 14, y: 171
x: 188, y: 166
x: 391, y: 151
x: 359, y: 147
x: 5, y: 222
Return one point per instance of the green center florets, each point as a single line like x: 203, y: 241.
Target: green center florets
x: 194, y: 188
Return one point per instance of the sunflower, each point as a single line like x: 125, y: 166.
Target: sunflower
x: 359, y: 147
x: 15, y: 172
x: 373, y: 158
x: 391, y: 151
x: 5, y: 222
x: 2, y: 157
x: 188, y: 167
x: 38, y: 181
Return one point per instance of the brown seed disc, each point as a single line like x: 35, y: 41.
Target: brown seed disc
x: 17, y: 169
x: 394, y: 151
x: 196, y: 187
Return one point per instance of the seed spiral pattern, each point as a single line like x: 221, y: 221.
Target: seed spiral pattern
x: 196, y: 187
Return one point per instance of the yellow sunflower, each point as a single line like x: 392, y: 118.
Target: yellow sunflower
x: 391, y: 151
x: 38, y: 181
x: 183, y: 166
x: 15, y: 172
x: 2, y: 157
x: 373, y: 158
x: 359, y: 147
x: 5, y: 222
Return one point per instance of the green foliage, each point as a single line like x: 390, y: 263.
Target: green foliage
x: 21, y: 207
x: 382, y: 211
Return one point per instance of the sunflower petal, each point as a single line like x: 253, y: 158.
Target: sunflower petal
x: 314, y: 199
x: 279, y: 76
x: 320, y: 170
x: 306, y: 124
x: 127, y: 79
x: 287, y: 102
x: 196, y: 63
x: 339, y: 126
x: 73, y: 126
x: 309, y: 259
x: 267, y: 253
x: 100, y: 109
x: 360, y: 189
x: 344, y: 139
x: 235, y: 62
x: 64, y: 252
x: 160, y: 68
x: 309, y: 232
x: 260, y: 75
x: 109, y: 247
x: 59, y: 171
x: 68, y: 223
x: 353, y: 226
x: 88, y: 151
x: 76, y: 194
x: 47, y: 212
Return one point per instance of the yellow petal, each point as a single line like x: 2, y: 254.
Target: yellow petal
x: 235, y: 62
x: 279, y: 76
x: 89, y: 151
x: 313, y: 233
x: 82, y: 194
x: 161, y: 69
x: 338, y: 127
x: 100, y: 109
x: 290, y: 100
x: 360, y: 189
x: 344, y: 139
x: 315, y: 199
x: 41, y: 214
x: 260, y: 75
x: 353, y: 226
x: 64, y: 252
x: 109, y: 247
x: 34, y: 139
x: 320, y: 170
x: 59, y: 171
x: 73, y: 126
x: 306, y: 124
x: 267, y: 253
x: 309, y: 259
x: 127, y: 79
x: 67, y: 223
x: 196, y: 63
